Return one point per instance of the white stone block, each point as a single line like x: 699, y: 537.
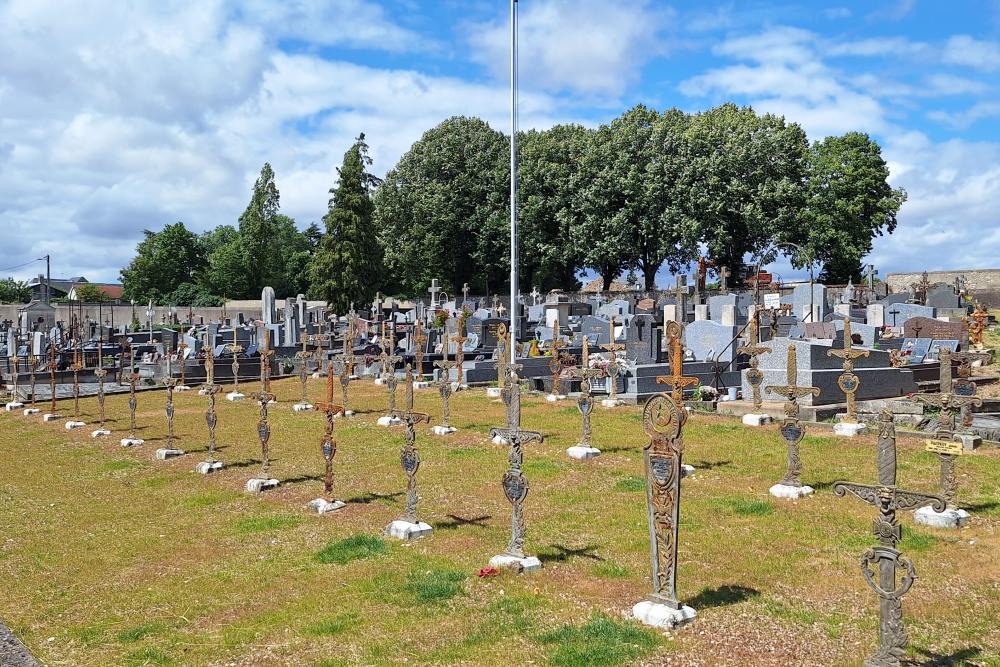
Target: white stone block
x: 389, y: 420
x: 31, y: 411
x: 950, y: 518
x: 700, y: 312
x: 793, y: 492
x: 610, y: 403
x: 324, y: 506
x: 876, y: 315
x: 165, y: 453
x: 849, y: 430
x: 234, y: 396
x: 379, y: 382
x: 303, y: 407
x: 553, y: 398
x: 969, y: 441
x: 493, y: 392
x: 500, y: 440
x: 131, y: 442
x: 100, y: 433
x: 420, y: 384
x: 73, y: 425
x: 508, y: 562
x: 443, y: 430
x: 662, y: 616
x: 203, y: 392
x: 258, y: 485
x: 14, y: 405
x: 670, y: 313
x: 208, y: 467
x: 317, y: 375
x: 182, y: 387
x: 728, y: 315
x: 404, y: 530
x: 687, y: 470
x: 756, y: 419
x: 49, y: 417
x: 458, y: 387
x: 582, y: 452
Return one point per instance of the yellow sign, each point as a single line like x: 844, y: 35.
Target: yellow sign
x: 944, y: 447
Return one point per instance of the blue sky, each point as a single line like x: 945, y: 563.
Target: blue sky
x: 123, y: 116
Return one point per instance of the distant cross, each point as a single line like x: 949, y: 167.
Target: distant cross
x: 169, y: 410
x: 211, y: 389
x: 556, y: 364
x: 408, y: 393
x: 465, y: 293
x: 952, y: 397
x: 535, y: 296
x: 724, y: 279
x: 389, y: 362
x: 459, y: 338
x: 303, y: 356
x: 265, y: 362
x: 885, y: 559
x: 496, y: 302
x: 585, y: 403
x: 434, y: 289
x: 235, y: 348
x: 76, y: 368
x: 16, y: 372
x: 920, y: 288
x: 514, y: 483
x: 377, y: 305
x: 680, y: 296
x: 419, y: 348
x: 676, y: 380
x: 444, y: 384
x: 663, y: 420
x: 511, y: 395
x: 133, y: 377
x: 614, y: 367
x: 328, y: 447
x: 32, y: 363
x: 791, y: 429
x: 53, y: 365
x: 181, y: 346
x: 264, y: 432
x: 978, y: 326
x: 504, y: 359
x: 100, y: 373
x: 753, y: 348
x: 894, y: 312
x: 848, y: 381
x: 319, y: 340
x: 409, y: 457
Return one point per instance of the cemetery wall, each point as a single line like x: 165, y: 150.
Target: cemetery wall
x: 982, y: 284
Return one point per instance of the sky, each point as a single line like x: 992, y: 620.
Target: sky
x: 117, y: 117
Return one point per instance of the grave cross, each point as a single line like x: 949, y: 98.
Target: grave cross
x: 100, y: 373
x: 511, y: 396
x: 504, y: 360
x: 556, y: 364
x: 459, y: 339
x: 328, y: 447
x: 303, y: 356
x: 264, y: 432
x: 265, y: 362
x: 444, y: 384
x: 978, y: 326
x: 169, y: 409
x: 535, y: 295
x: 585, y: 403
x: 76, y: 368
x: 389, y: 362
x: 133, y: 377
x: 419, y: 347
x: 181, y: 346
x: 17, y: 371
x: 210, y: 389
x: 514, y: 483
x: 32, y: 362
x: 409, y: 458
x: 920, y: 288
x: 885, y: 559
x: 663, y: 420
x: 465, y: 293
x: 680, y: 295
x: 952, y: 397
x: 753, y: 348
x: 791, y: 429
x: 614, y: 366
x: 235, y: 348
x: 676, y: 380
x: 848, y: 381
x: 53, y: 365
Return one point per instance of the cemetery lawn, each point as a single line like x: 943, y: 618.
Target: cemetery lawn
x: 111, y: 558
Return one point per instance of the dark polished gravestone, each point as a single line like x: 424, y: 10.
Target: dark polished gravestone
x: 934, y: 353
x: 596, y: 329
x: 642, y: 340
x: 926, y: 327
x: 640, y: 383
x: 943, y: 296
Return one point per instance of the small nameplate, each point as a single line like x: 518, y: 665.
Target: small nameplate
x: 944, y: 447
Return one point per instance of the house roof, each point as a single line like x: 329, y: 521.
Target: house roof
x: 111, y: 290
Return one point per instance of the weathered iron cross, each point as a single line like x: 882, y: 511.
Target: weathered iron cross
x: 791, y: 429
x: 265, y: 362
x: 753, y: 348
x: 848, y: 381
x: 329, y: 446
x: 614, y: 367
x: 459, y: 339
x: 585, y: 403
x: 409, y: 458
x: 676, y: 380
x: 264, y: 431
x: 235, y: 348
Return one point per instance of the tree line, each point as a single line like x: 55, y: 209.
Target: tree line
x: 647, y: 190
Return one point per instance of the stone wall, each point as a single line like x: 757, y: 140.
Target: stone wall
x: 982, y: 284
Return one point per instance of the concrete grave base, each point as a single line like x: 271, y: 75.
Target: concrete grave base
x: 14, y: 405
x: 379, y: 382
x: 552, y: 398
x: 31, y: 411
x: 165, y: 453
x: 404, y: 530
x: 443, y: 430
x: 849, y: 430
x: 208, y: 467
x: 258, y: 485
x: 303, y: 407
x: 687, y: 470
x: 420, y: 384
x: 969, y: 441
x: 508, y: 562
x: 611, y: 403
x: 756, y: 419
x: 182, y: 387
x: 459, y: 387
x: 389, y: 420
x: 203, y: 392
x: 234, y: 396
x: 500, y: 440
x: 493, y: 392
x: 73, y: 425
x: 950, y: 518
x: 793, y: 492
x: 348, y: 413
x: 100, y: 433
x: 661, y: 616
x: 582, y: 452
x: 49, y: 417
x: 324, y: 506
x: 131, y: 442
x: 317, y: 375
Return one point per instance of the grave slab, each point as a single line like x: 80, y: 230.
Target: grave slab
x: 131, y: 442
x: 208, y: 467
x: 258, y: 485
x: 583, y: 452
x: 100, y: 433
x: 662, y: 616
x: 165, y: 453
x: 950, y: 518
x: 324, y: 506
x: 519, y: 565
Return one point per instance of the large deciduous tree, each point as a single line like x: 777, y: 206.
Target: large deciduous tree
x: 14, y: 291
x: 164, y: 260
x: 347, y: 265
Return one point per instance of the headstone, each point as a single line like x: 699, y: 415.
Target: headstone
x: 728, y: 315
x: 267, y: 307
x: 710, y: 341
x: 897, y: 314
x: 926, y: 327
x: 700, y: 312
x: 642, y: 341
x: 943, y: 296
x: 670, y: 313
x: 801, y: 301
x: 595, y: 329
x: 876, y: 315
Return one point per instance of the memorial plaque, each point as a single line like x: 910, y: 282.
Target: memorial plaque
x: 515, y: 486
x: 928, y: 327
x: 946, y: 447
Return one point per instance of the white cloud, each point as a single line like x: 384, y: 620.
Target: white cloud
x: 963, y: 119
x: 970, y: 52
x: 584, y: 46
x: 878, y: 46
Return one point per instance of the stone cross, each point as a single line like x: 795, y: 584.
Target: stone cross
x: 535, y: 296
x: 848, y: 381
x: 459, y: 352
x: 614, y: 367
x: 409, y: 457
x: 885, y: 559
x: 556, y: 364
x: 753, y: 348
x: 329, y: 446
x: 434, y: 289
x: 514, y: 483
x: 419, y: 346
x: 920, y: 288
x: 235, y: 348
x: 791, y: 429
x: 680, y: 296
x: 723, y: 279
x: 585, y: 403
x: 952, y: 397
x: 663, y: 420
x: 504, y: 359
x: 676, y: 380
x: 465, y: 293
x: 511, y: 395
x: 264, y: 432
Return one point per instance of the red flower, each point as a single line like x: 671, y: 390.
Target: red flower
x: 489, y: 572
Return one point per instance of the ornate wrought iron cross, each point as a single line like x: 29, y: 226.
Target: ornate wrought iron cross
x: 419, y: 347
x: 100, y: 373
x: 211, y: 389
x: 504, y: 358
x: 328, y: 447
x: 409, y: 458
x: 444, y: 383
x: 885, y: 559
x: 753, y: 349
x: 676, y: 380
x: 181, y: 346
x: 169, y: 410
x: 304, y: 356
x: 133, y: 377
x: 791, y: 428
x: 235, y: 348
x: 265, y: 362
x: 264, y: 432
x: 614, y: 367
x: 556, y: 364
x: 53, y: 365
x: 76, y: 367
x: 32, y: 362
x: 848, y: 381
x: 459, y: 339
x: 585, y: 403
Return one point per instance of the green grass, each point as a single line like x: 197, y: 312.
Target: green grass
x: 148, y: 657
x: 916, y: 541
x: 600, y: 642
x: 334, y: 625
x: 260, y: 524
x: 134, y: 634
x: 356, y: 547
x: 435, y: 585
x: 745, y: 506
x: 630, y: 484
x: 607, y: 570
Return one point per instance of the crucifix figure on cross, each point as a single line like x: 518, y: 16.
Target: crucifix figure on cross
x: 791, y: 428
x: 676, y: 380
x: 133, y: 377
x: 234, y: 349
x: 848, y: 383
x: 263, y: 480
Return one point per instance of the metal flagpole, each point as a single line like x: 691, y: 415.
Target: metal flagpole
x: 513, y: 177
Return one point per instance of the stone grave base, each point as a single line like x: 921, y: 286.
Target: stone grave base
x: 493, y: 392
x: 317, y: 375
x: 347, y: 413
x: 508, y: 562
x: 389, y: 420
x: 753, y: 419
x: 950, y: 518
x: 404, y: 530
x: 849, y: 430
x: 50, y: 417
x: 165, y: 453
x: 100, y: 433
x: 73, y: 425
x: 793, y: 492
x: 459, y: 387
x: 258, y: 485
x: 14, y: 405
x: 379, y: 382
x: 31, y: 411
x: 234, y: 396
x: 420, y: 384
x: 203, y: 392
x: 611, y: 403
x: 303, y: 407
x: 182, y: 387
x: 552, y: 398
x: 500, y: 440
x: 443, y: 430
x: 324, y: 506
x: 687, y: 470
x: 969, y: 441
x: 208, y: 467
x: 131, y: 442
x: 662, y: 616
x: 583, y: 452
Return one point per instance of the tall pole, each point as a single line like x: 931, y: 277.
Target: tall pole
x: 48, y: 278
x: 513, y: 177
